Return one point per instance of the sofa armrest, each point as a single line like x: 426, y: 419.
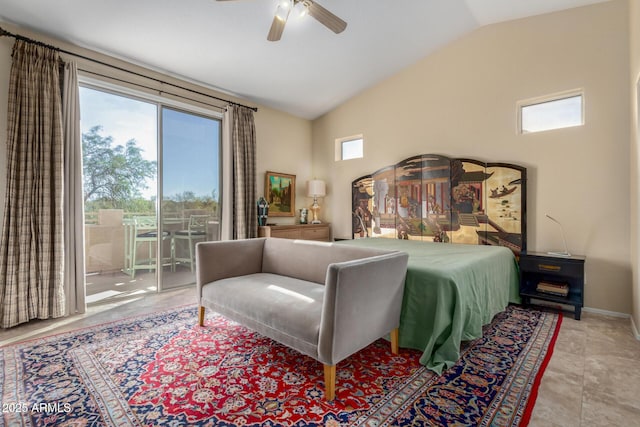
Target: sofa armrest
x: 362, y: 302
x: 228, y: 258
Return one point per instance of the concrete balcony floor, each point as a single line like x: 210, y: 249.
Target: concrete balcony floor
x: 108, y: 287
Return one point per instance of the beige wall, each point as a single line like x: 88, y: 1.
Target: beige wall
x: 461, y: 102
x: 288, y: 151
x: 284, y: 141
x: 634, y: 37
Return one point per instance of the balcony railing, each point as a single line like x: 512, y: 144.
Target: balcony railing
x: 105, y: 236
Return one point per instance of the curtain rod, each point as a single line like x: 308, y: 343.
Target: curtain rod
x: 5, y: 33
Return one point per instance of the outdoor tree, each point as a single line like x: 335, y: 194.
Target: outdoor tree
x: 113, y: 173
x: 188, y: 200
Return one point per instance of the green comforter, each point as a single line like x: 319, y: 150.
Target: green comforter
x: 451, y: 291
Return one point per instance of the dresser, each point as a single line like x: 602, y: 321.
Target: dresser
x: 320, y: 232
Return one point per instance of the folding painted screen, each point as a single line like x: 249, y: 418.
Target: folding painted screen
x: 436, y: 198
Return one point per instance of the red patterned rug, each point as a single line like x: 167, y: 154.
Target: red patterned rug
x: 164, y: 370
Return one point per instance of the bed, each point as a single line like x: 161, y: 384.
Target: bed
x: 463, y: 223
x: 451, y: 291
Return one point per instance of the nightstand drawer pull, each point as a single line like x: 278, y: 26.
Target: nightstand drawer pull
x: 548, y: 267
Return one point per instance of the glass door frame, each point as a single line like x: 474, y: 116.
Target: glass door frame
x: 160, y: 102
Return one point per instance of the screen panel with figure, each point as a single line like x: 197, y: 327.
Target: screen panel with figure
x: 436, y: 198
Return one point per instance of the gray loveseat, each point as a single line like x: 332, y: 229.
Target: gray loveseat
x: 324, y: 300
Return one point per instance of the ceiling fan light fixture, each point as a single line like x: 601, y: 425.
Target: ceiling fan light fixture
x: 283, y: 9
x: 300, y: 10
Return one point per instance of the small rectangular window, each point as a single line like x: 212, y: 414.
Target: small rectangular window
x: 553, y: 112
x: 350, y: 148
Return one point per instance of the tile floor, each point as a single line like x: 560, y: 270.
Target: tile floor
x: 593, y: 378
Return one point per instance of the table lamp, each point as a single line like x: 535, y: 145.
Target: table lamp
x: 316, y: 188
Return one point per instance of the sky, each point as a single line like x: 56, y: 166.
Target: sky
x: 555, y: 114
x: 190, y: 145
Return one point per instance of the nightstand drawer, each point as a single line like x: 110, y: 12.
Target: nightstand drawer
x: 560, y: 267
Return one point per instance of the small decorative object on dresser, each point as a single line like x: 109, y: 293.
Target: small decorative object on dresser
x: 304, y: 214
x: 320, y: 232
x: 263, y: 211
x: 553, y: 278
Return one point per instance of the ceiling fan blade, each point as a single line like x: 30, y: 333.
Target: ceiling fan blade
x: 277, y: 27
x: 325, y: 17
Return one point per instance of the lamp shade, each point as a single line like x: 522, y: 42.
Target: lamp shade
x: 316, y: 188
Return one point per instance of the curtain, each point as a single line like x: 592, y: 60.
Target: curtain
x: 31, y: 252
x: 227, y: 176
x: 74, y: 288
x: 241, y: 206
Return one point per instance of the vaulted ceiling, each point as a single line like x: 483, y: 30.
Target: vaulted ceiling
x: 223, y: 44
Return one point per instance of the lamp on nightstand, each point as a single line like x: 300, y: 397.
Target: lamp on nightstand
x: 316, y: 188
x: 566, y: 248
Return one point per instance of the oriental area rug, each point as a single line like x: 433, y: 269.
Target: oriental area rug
x: 164, y: 370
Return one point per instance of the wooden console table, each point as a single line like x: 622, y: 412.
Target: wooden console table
x: 320, y: 232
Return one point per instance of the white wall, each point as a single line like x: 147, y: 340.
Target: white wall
x: 461, y: 102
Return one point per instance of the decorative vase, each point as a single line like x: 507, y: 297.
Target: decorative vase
x: 263, y: 211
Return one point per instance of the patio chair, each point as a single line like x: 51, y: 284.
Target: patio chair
x: 196, y: 232
x: 145, y: 231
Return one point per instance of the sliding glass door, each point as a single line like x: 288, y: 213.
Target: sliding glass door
x: 190, y: 189
x: 134, y: 150
x: 119, y: 144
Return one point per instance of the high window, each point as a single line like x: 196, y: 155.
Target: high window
x: 350, y: 148
x: 551, y: 112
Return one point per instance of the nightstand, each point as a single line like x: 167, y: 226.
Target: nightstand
x: 549, y: 270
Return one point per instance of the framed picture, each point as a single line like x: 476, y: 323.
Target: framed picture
x: 280, y: 192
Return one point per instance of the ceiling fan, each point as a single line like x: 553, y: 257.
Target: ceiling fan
x: 303, y: 7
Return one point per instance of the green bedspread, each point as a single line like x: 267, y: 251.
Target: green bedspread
x: 451, y: 291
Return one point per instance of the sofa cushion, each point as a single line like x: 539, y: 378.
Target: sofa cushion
x: 282, y: 305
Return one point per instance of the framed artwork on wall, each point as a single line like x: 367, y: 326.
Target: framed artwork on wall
x: 280, y: 192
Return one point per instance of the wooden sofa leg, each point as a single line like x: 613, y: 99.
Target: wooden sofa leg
x: 201, y: 315
x: 329, y: 382
x: 395, y: 339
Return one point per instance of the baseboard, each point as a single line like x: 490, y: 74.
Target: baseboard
x: 606, y: 312
x: 634, y: 329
